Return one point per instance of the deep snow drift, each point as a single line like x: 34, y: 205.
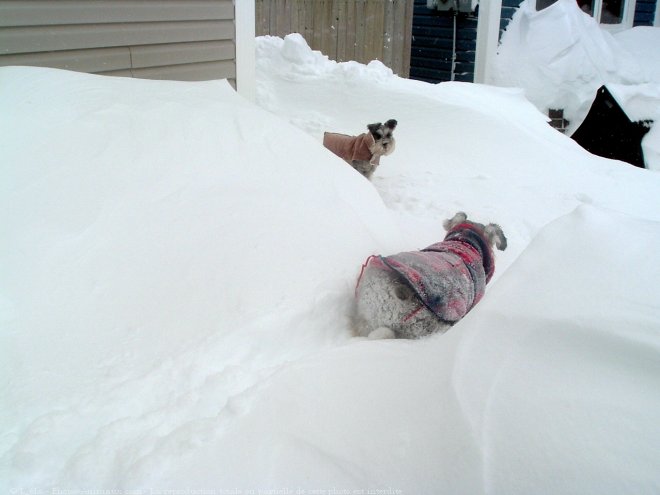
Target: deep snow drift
x: 560, y: 56
x: 178, y: 269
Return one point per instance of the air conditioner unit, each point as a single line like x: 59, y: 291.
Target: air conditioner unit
x: 456, y: 5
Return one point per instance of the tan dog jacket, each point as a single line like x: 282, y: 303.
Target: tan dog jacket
x: 351, y: 148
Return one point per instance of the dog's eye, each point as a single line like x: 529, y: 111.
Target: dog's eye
x: 379, y: 134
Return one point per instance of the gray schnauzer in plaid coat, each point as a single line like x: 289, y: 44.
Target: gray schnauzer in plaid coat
x: 413, y: 294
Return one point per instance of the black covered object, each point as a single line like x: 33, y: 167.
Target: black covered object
x: 607, y: 131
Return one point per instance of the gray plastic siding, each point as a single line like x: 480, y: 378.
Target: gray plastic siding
x: 187, y: 40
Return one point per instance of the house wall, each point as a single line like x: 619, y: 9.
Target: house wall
x: 645, y: 12
x: 433, y: 41
x: 508, y: 9
x: 152, y: 39
x: 360, y: 30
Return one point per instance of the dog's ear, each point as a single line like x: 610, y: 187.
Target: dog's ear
x: 496, y: 236
x: 450, y: 223
x: 374, y: 127
x: 391, y: 124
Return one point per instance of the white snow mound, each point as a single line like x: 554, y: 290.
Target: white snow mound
x: 561, y: 56
x: 178, y: 267
x: 165, y: 245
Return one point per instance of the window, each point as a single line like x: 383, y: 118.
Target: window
x: 614, y: 13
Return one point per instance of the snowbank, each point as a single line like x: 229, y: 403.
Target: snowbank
x: 484, y: 149
x: 539, y: 381
x: 555, y: 372
x: 159, y: 240
x: 560, y: 56
x: 642, y: 43
x: 178, y: 269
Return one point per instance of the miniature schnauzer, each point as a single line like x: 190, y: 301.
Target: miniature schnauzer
x: 413, y: 294
x: 363, y: 152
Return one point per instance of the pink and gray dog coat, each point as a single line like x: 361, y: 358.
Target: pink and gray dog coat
x: 448, y: 277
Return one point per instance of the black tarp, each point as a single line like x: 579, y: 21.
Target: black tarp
x: 607, y: 131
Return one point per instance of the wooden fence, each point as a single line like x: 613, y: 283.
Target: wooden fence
x: 361, y: 30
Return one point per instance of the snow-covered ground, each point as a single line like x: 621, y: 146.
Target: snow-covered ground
x: 178, y: 266
x: 560, y: 56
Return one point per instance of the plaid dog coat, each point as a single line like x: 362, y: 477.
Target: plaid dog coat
x: 448, y: 277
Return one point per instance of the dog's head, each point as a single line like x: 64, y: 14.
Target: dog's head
x: 492, y: 231
x: 383, y: 139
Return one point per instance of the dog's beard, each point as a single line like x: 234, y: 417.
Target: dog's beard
x: 380, y: 148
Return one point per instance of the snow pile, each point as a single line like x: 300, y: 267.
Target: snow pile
x: 178, y: 268
x: 642, y: 43
x: 296, y: 55
x: 540, y: 380
x: 482, y: 148
x: 561, y: 56
x: 555, y: 373
x: 158, y: 242
x: 291, y: 60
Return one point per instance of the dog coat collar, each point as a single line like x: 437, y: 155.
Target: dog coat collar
x: 351, y: 148
x: 448, y: 277
x: 475, y: 237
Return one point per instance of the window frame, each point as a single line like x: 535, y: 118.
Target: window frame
x: 626, y: 21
